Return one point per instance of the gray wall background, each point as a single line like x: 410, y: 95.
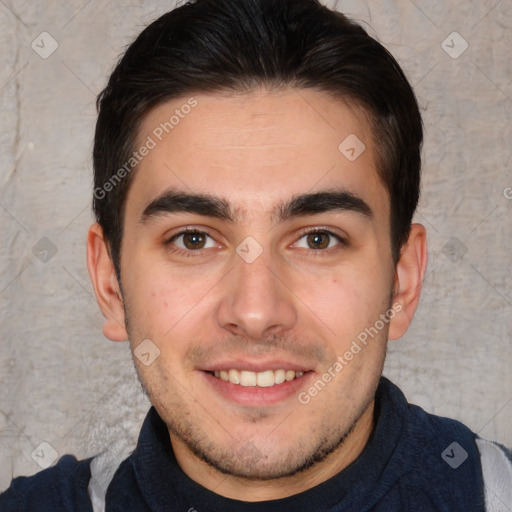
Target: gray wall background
x: 64, y: 385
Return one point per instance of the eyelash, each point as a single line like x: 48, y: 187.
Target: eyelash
x: 184, y: 252
x: 316, y: 253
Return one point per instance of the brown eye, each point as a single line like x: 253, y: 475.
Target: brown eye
x: 191, y: 240
x: 318, y: 240
x: 194, y: 240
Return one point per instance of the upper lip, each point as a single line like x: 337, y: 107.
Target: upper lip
x: 253, y: 366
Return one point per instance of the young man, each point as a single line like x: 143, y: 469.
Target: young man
x: 257, y: 167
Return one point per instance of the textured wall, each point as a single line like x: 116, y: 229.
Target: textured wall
x: 63, y: 384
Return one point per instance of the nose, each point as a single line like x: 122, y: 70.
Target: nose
x: 257, y: 301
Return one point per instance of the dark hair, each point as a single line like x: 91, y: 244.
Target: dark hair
x: 239, y: 45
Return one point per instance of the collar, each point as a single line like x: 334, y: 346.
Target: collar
x: 162, y: 482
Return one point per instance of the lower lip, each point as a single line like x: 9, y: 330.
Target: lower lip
x: 254, y: 395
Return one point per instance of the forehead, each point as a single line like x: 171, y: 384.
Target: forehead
x: 257, y: 148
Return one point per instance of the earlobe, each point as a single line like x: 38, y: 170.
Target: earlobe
x: 106, y: 287
x: 409, y: 275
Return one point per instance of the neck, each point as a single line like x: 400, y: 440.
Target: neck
x: 248, y: 490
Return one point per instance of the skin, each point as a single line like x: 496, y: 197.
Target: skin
x: 296, y: 302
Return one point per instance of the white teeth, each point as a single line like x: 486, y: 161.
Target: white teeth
x: 247, y: 378
x: 279, y: 376
x: 264, y: 379
x: 290, y: 375
x: 234, y: 376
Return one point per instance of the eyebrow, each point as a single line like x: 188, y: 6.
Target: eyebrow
x: 176, y: 201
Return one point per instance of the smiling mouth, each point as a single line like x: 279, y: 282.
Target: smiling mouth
x: 263, y: 379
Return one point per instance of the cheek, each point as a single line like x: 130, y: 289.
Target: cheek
x: 167, y: 305
x: 347, y: 302
x: 158, y: 306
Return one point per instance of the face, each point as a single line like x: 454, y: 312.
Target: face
x: 252, y: 293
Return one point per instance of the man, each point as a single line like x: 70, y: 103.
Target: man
x: 257, y: 167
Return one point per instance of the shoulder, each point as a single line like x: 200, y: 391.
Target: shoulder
x: 426, y: 433
x: 447, y: 440
x: 496, y: 463
x: 439, y: 460
x: 61, y: 487
x: 447, y: 445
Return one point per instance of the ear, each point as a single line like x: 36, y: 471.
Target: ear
x: 409, y: 275
x: 106, y: 287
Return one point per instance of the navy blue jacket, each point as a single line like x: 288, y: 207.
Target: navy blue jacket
x: 414, y: 461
